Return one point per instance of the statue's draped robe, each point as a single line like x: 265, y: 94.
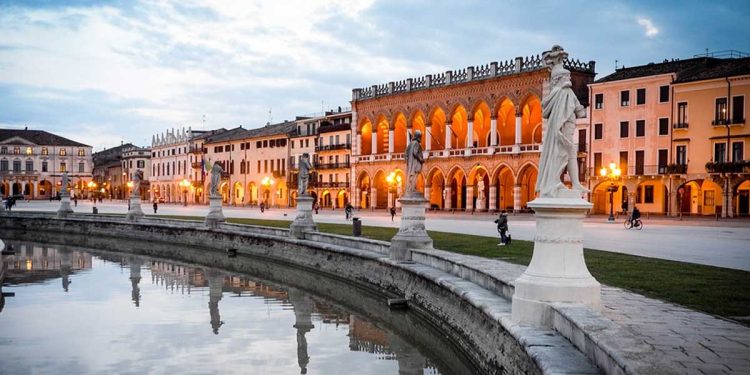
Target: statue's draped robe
x: 558, y: 108
x: 413, y: 165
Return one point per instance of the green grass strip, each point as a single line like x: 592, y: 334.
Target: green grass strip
x: 720, y: 291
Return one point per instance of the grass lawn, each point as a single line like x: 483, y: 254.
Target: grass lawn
x: 715, y: 290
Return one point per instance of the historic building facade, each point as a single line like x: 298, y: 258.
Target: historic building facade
x: 482, y: 131
x: 133, y: 159
x: 332, y: 160
x: 641, y: 122
x: 32, y: 163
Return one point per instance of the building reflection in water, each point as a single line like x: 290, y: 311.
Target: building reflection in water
x: 36, y: 263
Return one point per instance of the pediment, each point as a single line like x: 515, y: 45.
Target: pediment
x: 16, y: 140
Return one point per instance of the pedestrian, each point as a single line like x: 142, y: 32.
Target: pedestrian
x: 348, y: 210
x: 317, y: 207
x: 156, y: 206
x: 75, y: 200
x: 393, y: 213
x: 262, y: 207
x: 502, y: 227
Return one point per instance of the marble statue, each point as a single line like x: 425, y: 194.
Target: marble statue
x: 303, y: 177
x: 137, y: 178
x: 560, y: 109
x: 64, y: 187
x: 216, y: 172
x: 414, y: 161
x: 480, y: 189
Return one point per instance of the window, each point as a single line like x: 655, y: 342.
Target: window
x: 663, y: 94
x: 265, y: 143
x: 648, y: 194
x: 639, y: 158
x: 582, y: 140
x: 44, y: 166
x: 598, y: 131
x: 738, y: 109
x: 598, y: 101
x: 624, y: 163
x: 3, y: 165
x: 664, y: 126
x: 720, y: 151
x: 624, y: 125
x: 265, y: 166
x: 640, y: 128
x: 16, y: 150
x: 738, y: 151
x: 682, y: 119
x: 63, y: 167
x: 259, y: 166
x: 45, y: 151
x: 29, y: 166
x: 662, y: 160
x: 624, y: 98
x: 348, y: 139
x: 63, y: 152
x: 16, y: 165
x: 258, y: 144
x: 242, y: 146
x: 81, y: 167
x: 708, y: 198
x: 3, y: 150
x: 29, y: 151
x: 597, y: 162
x: 640, y: 96
x: 140, y: 164
x: 720, y: 112
x: 81, y: 152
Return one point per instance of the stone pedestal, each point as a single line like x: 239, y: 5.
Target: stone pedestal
x: 304, y: 220
x: 557, y: 272
x: 135, y: 211
x: 215, y: 214
x: 412, y: 233
x: 64, y: 209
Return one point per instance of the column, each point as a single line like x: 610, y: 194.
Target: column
x: 373, y: 197
x: 357, y: 197
x: 469, y: 198
x: 427, y: 191
x: 516, y: 198
x: 518, y: 128
x: 390, y: 199
x: 493, y: 131
x: 726, y: 210
x: 35, y: 190
x: 448, y: 135
x: 631, y: 199
x: 357, y: 144
x: 492, y: 206
x: 427, y: 138
x: 470, y: 134
x: 374, y: 142
x: 390, y: 141
x: 448, y: 203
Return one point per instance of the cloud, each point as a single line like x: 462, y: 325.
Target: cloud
x: 648, y: 27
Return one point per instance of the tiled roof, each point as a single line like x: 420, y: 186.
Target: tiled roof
x: 39, y: 137
x: 652, y: 69
x: 273, y: 129
x: 715, y: 68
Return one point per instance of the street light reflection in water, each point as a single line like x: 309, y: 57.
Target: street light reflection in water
x: 69, y: 311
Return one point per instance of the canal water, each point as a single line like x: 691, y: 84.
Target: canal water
x: 72, y: 310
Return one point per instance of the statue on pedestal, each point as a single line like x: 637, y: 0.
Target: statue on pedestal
x: 216, y: 172
x: 137, y: 178
x: 414, y: 161
x: 560, y: 108
x: 303, y: 177
x: 64, y: 187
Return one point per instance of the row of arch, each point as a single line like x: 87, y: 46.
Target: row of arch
x: 478, y: 188
x: 456, y: 128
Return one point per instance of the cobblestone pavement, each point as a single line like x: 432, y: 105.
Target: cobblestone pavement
x: 722, y: 244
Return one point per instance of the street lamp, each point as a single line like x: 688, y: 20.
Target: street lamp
x: 613, y: 174
x: 129, y: 184
x: 185, y: 184
x: 267, y: 182
x: 393, y: 180
x: 92, y: 190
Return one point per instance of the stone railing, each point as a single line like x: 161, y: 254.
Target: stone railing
x: 469, y: 74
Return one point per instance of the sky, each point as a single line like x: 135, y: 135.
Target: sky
x: 106, y: 72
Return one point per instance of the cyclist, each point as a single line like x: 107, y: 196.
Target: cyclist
x: 635, y: 215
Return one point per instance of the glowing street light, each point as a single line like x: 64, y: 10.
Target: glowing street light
x: 613, y: 174
x: 185, y: 184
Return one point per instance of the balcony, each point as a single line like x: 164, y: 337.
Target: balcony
x: 342, y: 146
x: 333, y: 184
x: 10, y: 173
x: 725, y: 122
x: 676, y: 168
x: 680, y: 125
x: 742, y: 166
x: 195, y: 150
x: 456, y: 152
x: 197, y: 165
x: 332, y: 165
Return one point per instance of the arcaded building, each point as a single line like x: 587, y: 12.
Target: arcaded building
x: 482, y: 131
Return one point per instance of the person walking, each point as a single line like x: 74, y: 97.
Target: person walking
x: 75, y: 200
x: 262, y: 207
x: 393, y: 212
x: 502, y: 227
x: 156, y: 207
x: 348, y: 210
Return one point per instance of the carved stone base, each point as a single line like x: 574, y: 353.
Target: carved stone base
x: 135, y: 211
x: 64, y: 209
x: 304, y: 220
x: 412, y: 233
x: 215, y: 214
x: 557, y: 272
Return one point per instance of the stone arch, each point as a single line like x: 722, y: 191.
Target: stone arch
x: 418, y: 122
x: 482, y: 116
x: 526, y: 181
x: 436, y: 120
x: 600, y: 196
x: 531, y: 117
x: 379, y: 190
x: 224, y: 191
x: 506, y: 122
x: 44, y: 189
x: 365, y: 137
x: 399, y: 126
x: 436, y: 182
x: 363, y: 184
x: 238, y: 193
x: 456, y: 184
x: 651, y: 195
x: 478, y: 185
x: 459, y: 119
x: 741, y: 192
x: 381, y: 130
x: 252, y: 193
x: 342, y: 198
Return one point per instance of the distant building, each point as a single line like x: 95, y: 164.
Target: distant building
x: 641, y: 121
x: 332, y: 159
x: 134, y: 159
x: 32, y: 163
x: 109, y: 176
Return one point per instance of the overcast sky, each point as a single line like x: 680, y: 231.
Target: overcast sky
x: 102, y: 72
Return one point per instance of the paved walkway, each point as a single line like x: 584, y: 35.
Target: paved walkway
x: 694, y: 240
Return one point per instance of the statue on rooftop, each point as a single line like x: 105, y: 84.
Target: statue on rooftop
x: 560, y: 107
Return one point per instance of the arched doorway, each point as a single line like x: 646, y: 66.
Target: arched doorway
x: 380, y: 191
x: 436, y: 181
x: 44, y: 189
x: 527, y: 185
x: 504, y: 183
x: 742, y: 200
x: 457, y: 183
x: 363, y: 183
x: 478, y: 191
x: 238, y: 193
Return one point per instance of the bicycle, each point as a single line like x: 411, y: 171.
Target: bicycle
x: 633, y: 223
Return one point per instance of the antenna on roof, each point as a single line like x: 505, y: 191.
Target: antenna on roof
x: 270, y: 113
x: 204, y: 122
x: 616, y: 64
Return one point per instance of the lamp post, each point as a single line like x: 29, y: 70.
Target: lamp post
x: 185, y: 184
x: 267, y: 182
x: 613, y: 174
x: 393, y: 180
x: 92, y: 190
x: 129, y: 184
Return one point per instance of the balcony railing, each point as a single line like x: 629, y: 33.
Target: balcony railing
x: 10, y: 172
x: 332, y: 165
x: 676, y: 168
x: 680, y: 125
x: 195, y: 150
x: 342, y: 146
x: 725, y: 122
x: 197, y: 165
x: 742, y: 166
x: 333, y: 184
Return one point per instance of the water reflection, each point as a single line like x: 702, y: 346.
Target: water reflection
x: 321, y: 332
